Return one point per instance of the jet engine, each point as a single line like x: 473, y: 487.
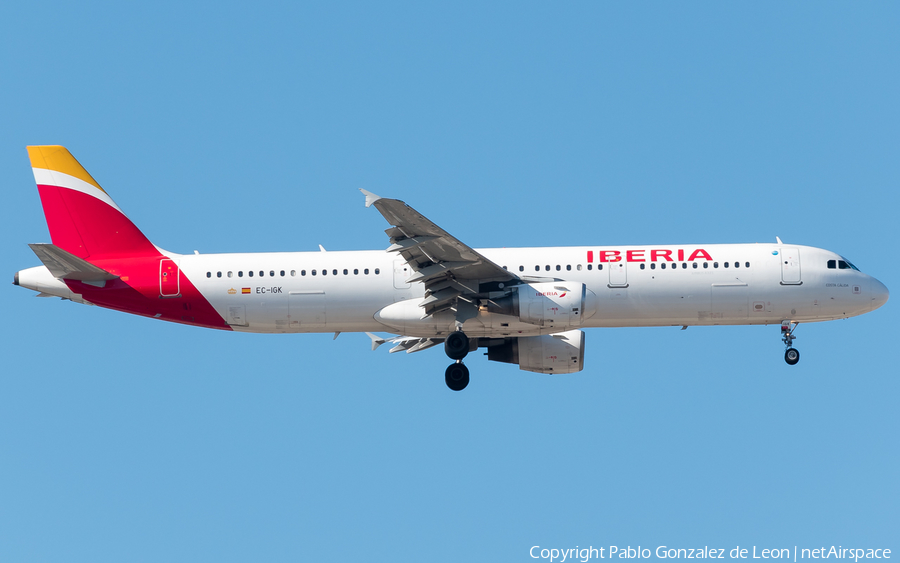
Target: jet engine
x: 548, y: 304
x: 551, y: 353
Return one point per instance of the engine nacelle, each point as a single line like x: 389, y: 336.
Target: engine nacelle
x: 548, y: 304
x: 551, y: 353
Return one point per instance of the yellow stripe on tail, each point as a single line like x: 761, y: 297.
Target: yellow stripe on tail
x: 59, y: 159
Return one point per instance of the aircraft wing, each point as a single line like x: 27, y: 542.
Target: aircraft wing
x: 448, y: 268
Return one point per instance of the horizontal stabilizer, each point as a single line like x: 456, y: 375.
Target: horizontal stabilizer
x: 64, y: 265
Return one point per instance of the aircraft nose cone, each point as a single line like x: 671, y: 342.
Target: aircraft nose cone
x: 880, y: 294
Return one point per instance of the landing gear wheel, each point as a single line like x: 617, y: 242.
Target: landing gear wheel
x: 457, y: 376
x: 457, y: 345
x: 791, y: 356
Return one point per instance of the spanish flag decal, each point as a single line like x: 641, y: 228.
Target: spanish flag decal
x: 245, y: 290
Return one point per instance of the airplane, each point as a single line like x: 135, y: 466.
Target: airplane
x: 526, y: 306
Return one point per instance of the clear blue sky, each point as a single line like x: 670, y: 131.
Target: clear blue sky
x: 235, y: 126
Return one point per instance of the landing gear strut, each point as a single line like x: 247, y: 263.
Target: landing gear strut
x: 791, y: 355
x: 457, y: 347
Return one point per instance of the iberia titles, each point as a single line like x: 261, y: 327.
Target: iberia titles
x: 654, y: 255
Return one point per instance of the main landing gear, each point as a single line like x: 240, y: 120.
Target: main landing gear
x: 791, y: 355
x: 456, y: 347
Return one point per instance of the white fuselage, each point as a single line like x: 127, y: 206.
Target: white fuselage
x: 349, y: 291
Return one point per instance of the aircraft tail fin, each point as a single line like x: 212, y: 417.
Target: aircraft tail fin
x: 83, y: 220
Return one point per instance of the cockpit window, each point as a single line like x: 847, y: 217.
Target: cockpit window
x: 841, y: 265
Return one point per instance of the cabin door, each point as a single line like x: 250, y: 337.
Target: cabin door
x: 169, y: 278
x: 790, y: 266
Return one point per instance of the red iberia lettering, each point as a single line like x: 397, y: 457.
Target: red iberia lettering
x: 610, y: 256
x: 655, y: 254
x: 701, y: 254
x: 634, y: 256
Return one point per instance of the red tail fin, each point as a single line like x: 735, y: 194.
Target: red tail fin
x: 82, y: 218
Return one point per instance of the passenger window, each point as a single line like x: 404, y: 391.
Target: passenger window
x: 209, y: 274
x: 313, y: 272
x: 282, y: 273
x: 590, y: 267
x: 663, y: 266
x: 302, y: 272
x: 547, y: 267
x: 737, y: 264
x: 642, y: 266
x: 521, y: 268
x: 272, y: 273
x: 262, y: 274
x: 334, y: 272
x: 345, y: 271
x: 715, y: 264
x: 537, y: 268
x: 568, y: 267
x: 218, y: 274
x: 229, y: 274
x: 366, y: 271
x: 558, y: 268
x: 725, y: 264
x: 599, y: 266
x: 240, y: 274
x: 695, y: 265
x: 706, y: 264
x: 578, y: 267
x: 250, y: 273
x: 293, y: 272
x: 653, y: 265
x: 684, y: 265
x: 377, y: 271
x: 355, y: 271
x: 746, y: 264
x: 324, y: 272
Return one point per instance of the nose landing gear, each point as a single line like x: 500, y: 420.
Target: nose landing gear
x: 791, y: 355
x: 457, y: 347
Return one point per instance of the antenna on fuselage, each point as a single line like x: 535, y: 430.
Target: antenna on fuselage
x: 778, y: 240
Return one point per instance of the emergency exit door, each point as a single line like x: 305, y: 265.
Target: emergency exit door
x: 618, y: 274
